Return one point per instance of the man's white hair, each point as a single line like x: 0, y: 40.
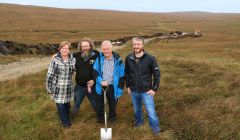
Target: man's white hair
x: 106, y: 43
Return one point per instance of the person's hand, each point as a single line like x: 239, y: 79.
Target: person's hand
x: 104, y: 83
x: 151, y: 93
x: 50, y: 94
x: 129, y: 91
x: 90, y: 83
x: 54, y: 56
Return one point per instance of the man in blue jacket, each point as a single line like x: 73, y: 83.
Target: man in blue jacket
x: 142, y: 80
x: 108, y: 71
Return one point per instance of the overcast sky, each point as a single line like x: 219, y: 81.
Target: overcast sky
x: 218, y: 6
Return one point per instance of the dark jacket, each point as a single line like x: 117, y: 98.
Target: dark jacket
x: 139, y: 75
x: 84, y: 68
x: 118, y: 74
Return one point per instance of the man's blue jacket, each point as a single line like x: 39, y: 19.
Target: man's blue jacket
x: 118, y: 75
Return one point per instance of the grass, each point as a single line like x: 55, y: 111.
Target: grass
x: 6, y: 59
x: 197, y: 100
x: 31, y: 24
x: 28, y: 113
x: 199, y: 87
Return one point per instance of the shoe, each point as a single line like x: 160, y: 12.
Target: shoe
x: 74, y: 114
x: 100, y: 121
x: 135, y: 125
x: 75, y: 111
x: 67, y: 125
x: 156, y: 133
x: 112, y: 120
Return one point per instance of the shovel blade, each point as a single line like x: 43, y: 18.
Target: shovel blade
x: 106, y: 133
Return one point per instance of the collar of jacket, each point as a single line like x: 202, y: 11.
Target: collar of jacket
x: 115, y: 55
x: 92, y: 53
x: 59, y: 57
x: 132, y: 55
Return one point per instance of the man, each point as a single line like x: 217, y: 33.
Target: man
x: 108, y: 71
x: 85, y: 85
x: 140, y: 67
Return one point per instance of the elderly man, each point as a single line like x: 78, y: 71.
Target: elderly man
x: 108, y: 71
x: 140, y: 67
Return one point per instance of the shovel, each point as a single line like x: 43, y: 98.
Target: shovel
x: 106, y: 133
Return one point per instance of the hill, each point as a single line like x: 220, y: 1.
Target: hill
x: 33, y: 24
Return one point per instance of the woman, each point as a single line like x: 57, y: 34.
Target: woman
x: 59, y: 81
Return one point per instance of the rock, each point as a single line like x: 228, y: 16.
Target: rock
x: 3, y: 48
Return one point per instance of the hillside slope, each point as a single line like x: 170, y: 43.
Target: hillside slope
x: 32, y: 24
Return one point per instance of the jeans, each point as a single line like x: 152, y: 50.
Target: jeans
x: 137, y: 99
x: 79, y: 94
x: 112, y: 103
x: 64, y: 111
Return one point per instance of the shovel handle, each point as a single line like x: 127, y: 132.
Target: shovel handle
x: 105, y: 88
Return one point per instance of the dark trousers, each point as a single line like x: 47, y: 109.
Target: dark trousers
x: 64, y: 111
x: 79, y: 94
x: 111, y: 104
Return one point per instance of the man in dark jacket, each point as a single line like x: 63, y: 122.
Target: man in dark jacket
x: 140, y: 67
x: 85, y: 83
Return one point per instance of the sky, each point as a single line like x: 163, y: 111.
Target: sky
x: 216, y: 6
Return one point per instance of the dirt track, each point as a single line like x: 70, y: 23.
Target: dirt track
x: 24, y: 67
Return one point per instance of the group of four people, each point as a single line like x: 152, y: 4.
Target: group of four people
x: 95, y: 70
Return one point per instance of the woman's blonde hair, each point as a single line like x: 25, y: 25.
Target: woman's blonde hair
x: 63, y: 43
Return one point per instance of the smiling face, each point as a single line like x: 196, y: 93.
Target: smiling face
x: 137, y: 46
x: 65, y: 50
x: 85, y: 47
x: 106, y: 48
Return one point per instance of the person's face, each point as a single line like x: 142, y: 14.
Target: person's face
x: 65, y: 50
x: 107, y: 51
x: 137, y: 46
x: 85, y: 47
